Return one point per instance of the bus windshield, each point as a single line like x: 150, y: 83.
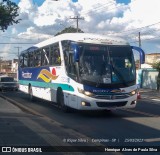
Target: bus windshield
x: 106, y: 64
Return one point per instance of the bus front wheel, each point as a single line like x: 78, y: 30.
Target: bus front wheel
x: 60, y: 101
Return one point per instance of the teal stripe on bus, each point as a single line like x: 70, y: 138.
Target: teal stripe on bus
x: 47, y: 85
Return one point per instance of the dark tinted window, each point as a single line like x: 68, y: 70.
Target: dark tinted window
x: 7, y: 79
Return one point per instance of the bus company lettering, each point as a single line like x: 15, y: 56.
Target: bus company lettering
x: 65, y: 79
x: 100, y: 91
x: 107, y: 91
x: 105, y: 41
x: 27, y: 75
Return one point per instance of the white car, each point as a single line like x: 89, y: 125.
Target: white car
x: 8, y: 83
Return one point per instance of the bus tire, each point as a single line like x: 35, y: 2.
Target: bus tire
x: 30, y: 92
x: 60, y: 101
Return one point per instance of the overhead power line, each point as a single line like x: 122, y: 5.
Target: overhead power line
x: 154, y: 38
x: 18, y: 43
x: 122, y: 32
x: 97, y: 8
x: 7, y: 36
x: 93, y: 11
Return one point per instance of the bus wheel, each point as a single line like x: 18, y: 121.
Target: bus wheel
x: 30, y: 92
x: 60, y: 101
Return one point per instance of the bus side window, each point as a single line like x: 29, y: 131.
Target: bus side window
x: 66, y: 49
x: 66, y: 60
x: 38, y: 58
x: 45, y: 56
x: 21, y: 61
x: 71, y: 69
x: 25, y: 63
x: 55, y: 58
x: 31, y: 59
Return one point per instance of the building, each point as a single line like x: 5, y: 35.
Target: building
x: 9, y: 67
x: 147, y: 76
x: 5, y: 66
x: 14, y: 66
x: 152, y: 58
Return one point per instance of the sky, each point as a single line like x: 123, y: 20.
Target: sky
x: 42, y: 19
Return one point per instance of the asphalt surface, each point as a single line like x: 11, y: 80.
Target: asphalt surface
x: 25, y: 130
x: 22, y: 127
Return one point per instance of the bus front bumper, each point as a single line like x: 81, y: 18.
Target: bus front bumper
x: 88, y: 103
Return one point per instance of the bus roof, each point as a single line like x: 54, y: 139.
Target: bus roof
x: 80, y: 37
x: 84, y: 37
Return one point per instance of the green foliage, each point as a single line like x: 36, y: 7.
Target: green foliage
x: 8, y: 14
x: 156, y: 65
x: 69, y: 30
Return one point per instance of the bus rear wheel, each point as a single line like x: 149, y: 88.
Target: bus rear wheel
x: 60, y: 101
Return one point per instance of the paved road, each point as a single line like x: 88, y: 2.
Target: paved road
x: 132, y: 127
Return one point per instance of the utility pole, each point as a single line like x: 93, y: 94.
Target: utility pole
x: 139, y: 39
x: 18, y: 49
x: 77, y: 19
x: 1, y: 64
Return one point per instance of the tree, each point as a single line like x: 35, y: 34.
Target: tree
x: 8, y: 14
x: 69, y: 30
x: 156, y: 65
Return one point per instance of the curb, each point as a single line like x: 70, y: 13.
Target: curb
x: 29, y: 110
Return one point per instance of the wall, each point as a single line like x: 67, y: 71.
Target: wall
x: 147, y: 78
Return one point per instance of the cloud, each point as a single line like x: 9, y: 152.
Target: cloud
x: 105, y: 17
x: 51, y: 11
x: 27, y: 6
x: 32, y: 33
x: 102, y: 14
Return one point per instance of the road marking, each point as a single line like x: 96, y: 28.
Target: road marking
x: 152, y: 140
x: 140, y: 112
x: 156, y: 100
x: 151, y: 122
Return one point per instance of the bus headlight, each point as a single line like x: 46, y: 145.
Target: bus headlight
x: 133, y: 92
x: 87, y: 93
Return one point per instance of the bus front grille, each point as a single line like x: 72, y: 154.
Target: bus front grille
x: 111, y: 97
x: 111, y: 104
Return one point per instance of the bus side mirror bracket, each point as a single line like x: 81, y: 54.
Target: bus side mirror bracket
x: 76, y: 52
x: 141, y: 52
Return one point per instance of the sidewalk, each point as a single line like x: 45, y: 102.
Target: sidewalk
x: 149, y: 93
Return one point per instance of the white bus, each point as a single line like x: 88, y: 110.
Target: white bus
x: 81, y: 71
